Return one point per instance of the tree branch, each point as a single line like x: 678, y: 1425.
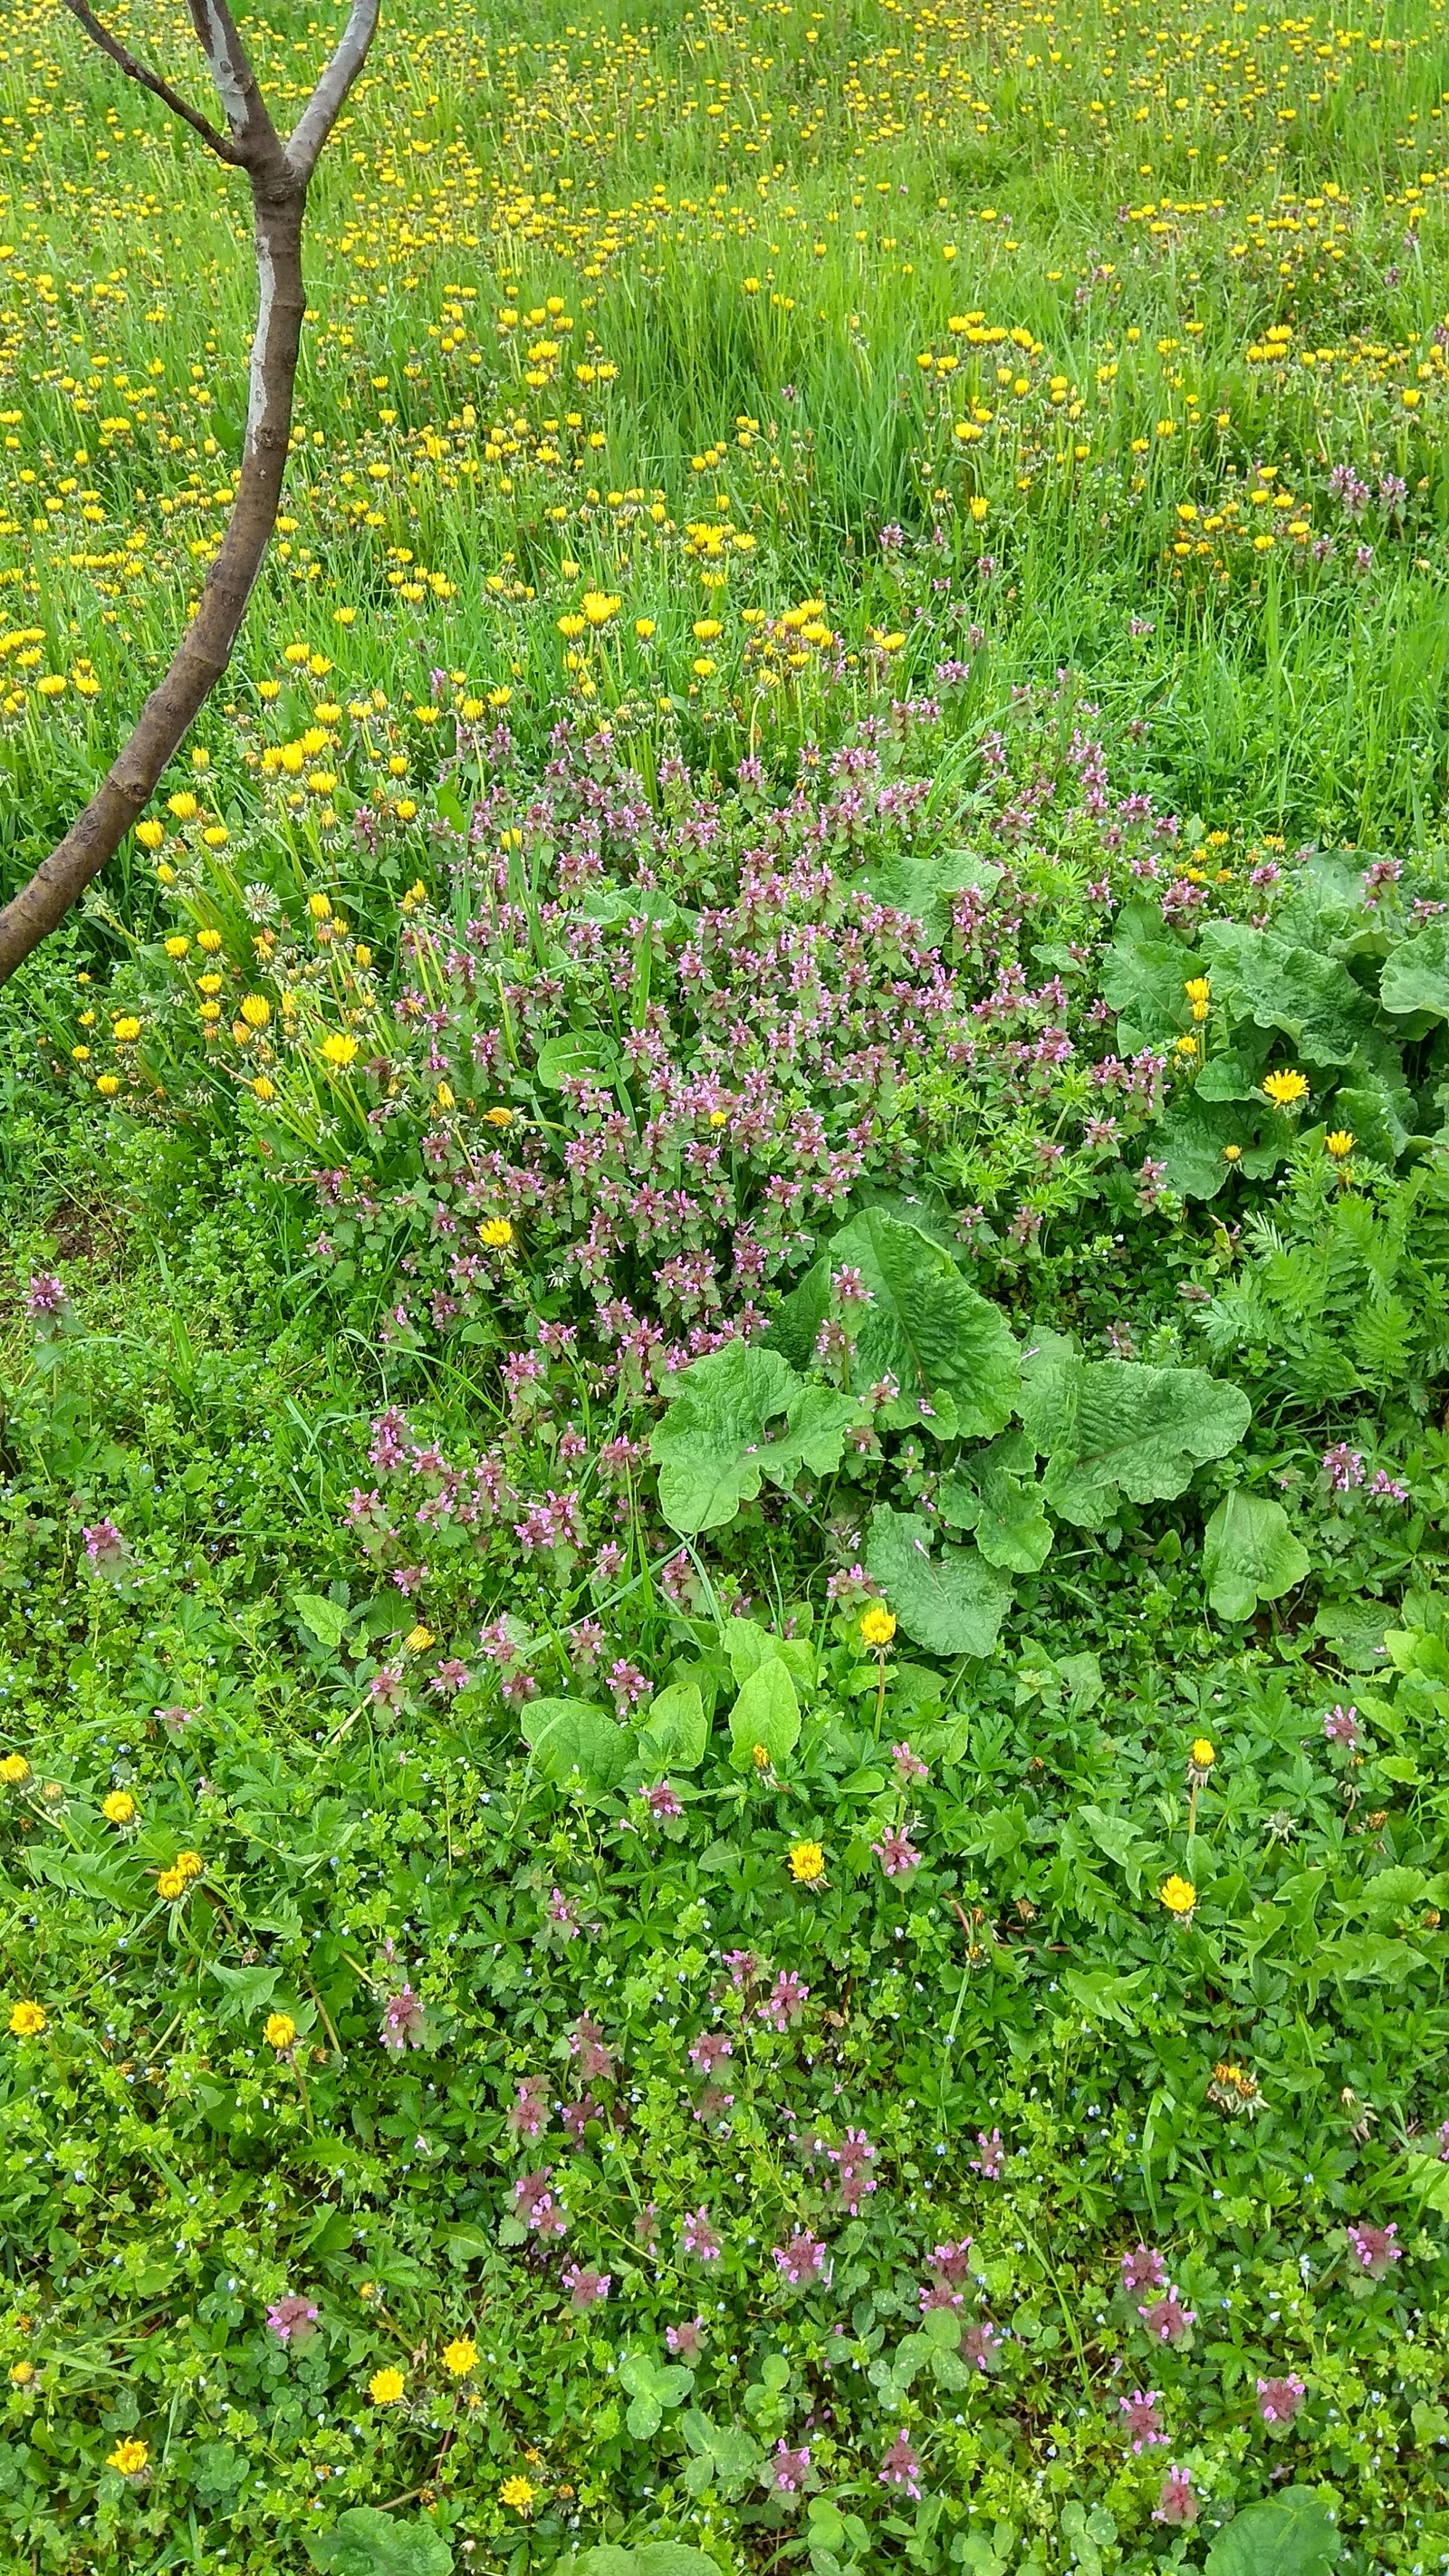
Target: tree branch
x: 256, y: 138
x: 278, y: 180
x: 325, y: 104
x: 101, y: 35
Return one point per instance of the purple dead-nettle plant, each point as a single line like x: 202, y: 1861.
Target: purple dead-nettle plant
x: 1373, y: 2250
x: 404, y: 2021
x: 293, y: 2320
x: 1143, y: 2268
x: 1166, y: 2319
x: 698, y: 2237
x: 1280, y: 2399
x: 537, y: 2205
x: 1141, y: 2425
x: 801, y: 2259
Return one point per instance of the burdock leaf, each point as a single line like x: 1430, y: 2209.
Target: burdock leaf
x: 1110, y: 1427
x: 944, y: 1344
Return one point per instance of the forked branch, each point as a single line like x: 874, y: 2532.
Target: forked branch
x: 278, y: 174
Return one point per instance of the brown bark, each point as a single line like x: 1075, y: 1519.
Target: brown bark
x: 278, y: 174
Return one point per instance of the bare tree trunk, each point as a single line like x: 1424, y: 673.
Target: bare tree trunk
x: 279, y: 175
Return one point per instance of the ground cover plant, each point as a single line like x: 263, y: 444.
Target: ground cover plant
x: 723, y: 1644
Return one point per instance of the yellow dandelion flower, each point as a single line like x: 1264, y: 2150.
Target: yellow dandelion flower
x: 460, y: 2356
x: 418, y: 1639
x: 644, y: 628
x: 263, y: 1089
x: 599, y: 606
x: 517, y: 2493
x: 1178, y: 1895
x: 495, y: 1232
x: 27, y: 2020
x: 129, y: 2457
x: 209, y: 941
x: 385, y: 2387
x: 1339, y: 1143
x: 171, y: 1884
x: 877, y: 1625
x: 177, y: 947
x: 255, y: 1011
x: 118, y: 1807
x: 107, y: 1085
x: 498, y: 1117
x: 183, y: 806
x: 21, y: 2373
x: 190, y: 1864
x: 1202, y: 1753
x: 807, y: 1864
x: 1285, y: 1090
x: 151, y: 834
x: 279, y: 2030
x: 338, y: 1050
x: 14, y: 1770
x: 126, y: 1031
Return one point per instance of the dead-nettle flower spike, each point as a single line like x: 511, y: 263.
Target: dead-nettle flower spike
x: 278, y: 174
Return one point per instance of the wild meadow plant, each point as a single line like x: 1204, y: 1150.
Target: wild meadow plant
x: 722, y: 1465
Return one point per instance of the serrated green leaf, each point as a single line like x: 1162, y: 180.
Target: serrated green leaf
x: 326, y: 1619
x: 952, y: 1604
x: 1250, y: 1554
x: 578, y: 1052
x: 1308, y: 997
x: 1111, y: 1426
x: 945, y: 1345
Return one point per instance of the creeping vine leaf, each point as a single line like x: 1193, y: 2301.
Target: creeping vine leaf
x: 1112, y: 1427
x: 952, y: 1604
x: 1250, y: 1554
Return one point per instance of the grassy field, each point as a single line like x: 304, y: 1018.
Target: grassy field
x: 724, y: 1401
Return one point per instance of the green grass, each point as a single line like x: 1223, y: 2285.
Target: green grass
x: 1134, y: 205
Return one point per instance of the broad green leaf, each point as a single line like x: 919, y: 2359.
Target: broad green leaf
x: 1310, y: 998
x: 1119, y: 1838
x: 326, y: 1619
x: 922, y: 883
x: 656, y: 2558
x: 797, y: 1319
x: 1293, y: 2534
x: 1427, y: 2178
x: 767, y: 1712
x: 570, y: 1739
x: 1416, y: 975
x: 1378, y: 1113
x: 748, y: 1645
x: 1143, y: 974
x: 578, y: 1052
x: 1111, y: 1426
x: 997, y: 1496
x: 952, y: 1604
x: 1203, y: 1142
x: 675, y: 1729
x: 714, y: 1444
x: 365, y: 2542
x: 1250, y: 1554
x: 945, y: 1345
